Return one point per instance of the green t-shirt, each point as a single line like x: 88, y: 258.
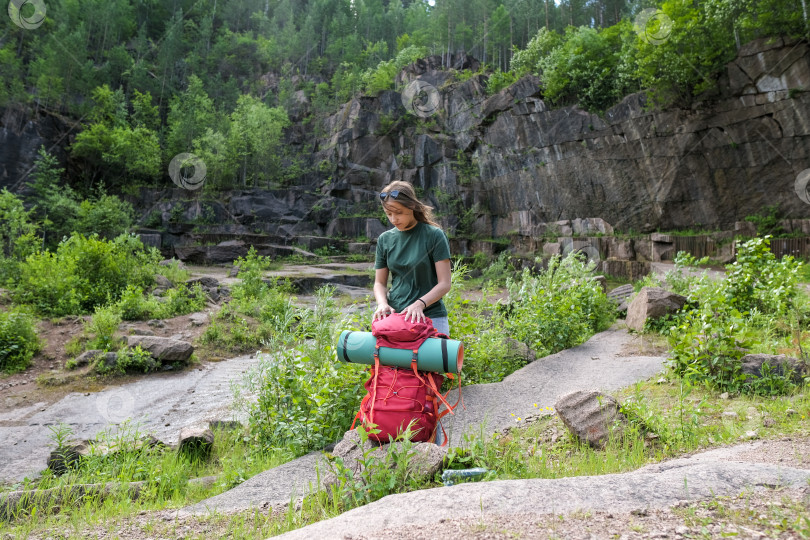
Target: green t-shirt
x: 410, y: 257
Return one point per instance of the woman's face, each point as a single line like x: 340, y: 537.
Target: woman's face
x: 399, y: 215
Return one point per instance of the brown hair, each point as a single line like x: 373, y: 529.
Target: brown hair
x: 407, y: 198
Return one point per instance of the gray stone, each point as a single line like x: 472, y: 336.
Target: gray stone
x: 234, y: 271
x: 652, y: 303
x: 163, y: 349
x: 521, y: 350
x: 752, y: 366
x: 224, y: 252
x: 602, y: 282
x: 206, y: 282
x: 360, y: 248
x: 198, y: 319
x: 409, y: 515
x: 170, y: 262
x: 552, y: 248
x: 593, y: 417
x: 163, y: 282
x: 62, y: 459
x: 424, y: 459
x: 273, y: 489
x: 195, y: 440
x: 87, y: 357
x: 620, y: 293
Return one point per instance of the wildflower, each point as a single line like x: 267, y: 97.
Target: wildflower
x: 535, y: 405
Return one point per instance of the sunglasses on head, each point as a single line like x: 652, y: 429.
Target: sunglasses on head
x: 394, y: 193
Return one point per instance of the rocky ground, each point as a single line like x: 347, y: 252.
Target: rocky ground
x: 782, y: 513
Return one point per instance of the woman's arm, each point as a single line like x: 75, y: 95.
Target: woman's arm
x: 415, y: 311
x: 381, y: 294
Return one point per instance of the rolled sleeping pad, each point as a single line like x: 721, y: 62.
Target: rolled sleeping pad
x: 435, y: 354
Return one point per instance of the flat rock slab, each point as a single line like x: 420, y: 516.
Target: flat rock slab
x: 273, y: 489
x: 658, y: 486
x: 596, y: 364
x: 159, y: 404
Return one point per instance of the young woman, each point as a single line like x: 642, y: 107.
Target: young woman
x: 416, y: 254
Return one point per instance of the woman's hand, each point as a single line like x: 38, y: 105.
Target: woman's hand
x: 415, y: 312
x: 382, y: 311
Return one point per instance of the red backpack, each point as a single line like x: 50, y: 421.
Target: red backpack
x: 400, y: 397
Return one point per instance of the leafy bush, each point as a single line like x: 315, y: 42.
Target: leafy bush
x: 755, y: 304
x: 500, y: 80
x: 85, y: 272
x: 18, y: 340
x: 306, y: 398
x: 102, y: 326
x: 479, y: 325
x: 181, y: 300
x: 382, y: 77
x: 558, y: 308
x: 130, y: 360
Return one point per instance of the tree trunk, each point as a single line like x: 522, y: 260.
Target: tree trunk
x: 546, y: 14
x: 804, y: 13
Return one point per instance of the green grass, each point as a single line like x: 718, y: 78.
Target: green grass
x: 167, y: 475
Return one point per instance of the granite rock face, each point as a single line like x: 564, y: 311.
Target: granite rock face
x: 636, y: 168
x: 506, y: 165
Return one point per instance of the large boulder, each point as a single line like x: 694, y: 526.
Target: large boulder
x: 163, y: 349
x: 425, y: 459
x: 593, y: 417
x: 753, y: 365
x: 652, y: 303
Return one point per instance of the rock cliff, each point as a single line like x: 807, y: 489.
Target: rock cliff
x: 505, y: 166
x: 516, y: 164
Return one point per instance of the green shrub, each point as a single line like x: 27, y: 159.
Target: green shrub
x: 306, y: 399
x: 130, y: 361
x: 499, y: 80
x: 102, y: 327
x: 755, y: 305
x: 180, y: 300
x: 173, y: 272
x: 85, y: 272
x: 108, y: 216
x: 476, y: 323
x: 559, y: 307
x: 18, y: 340
x: 134, y: 306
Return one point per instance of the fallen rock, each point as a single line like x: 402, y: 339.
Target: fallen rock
x: 602, y: 282
x: 206, y: 282
x: 169, y: 262
x: 195, y: 440
x: 87, y: 357
x: 521, y: 350
x: 163, y: 282
x: 425, y: 459
x: 163, y: 349
x: 234, y: 271
x: 69, y: 455
x: 591, y: 416
x: 752, y: 366
x: 652, y: 303
x: 198, y: 319
x: 621, y: 293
